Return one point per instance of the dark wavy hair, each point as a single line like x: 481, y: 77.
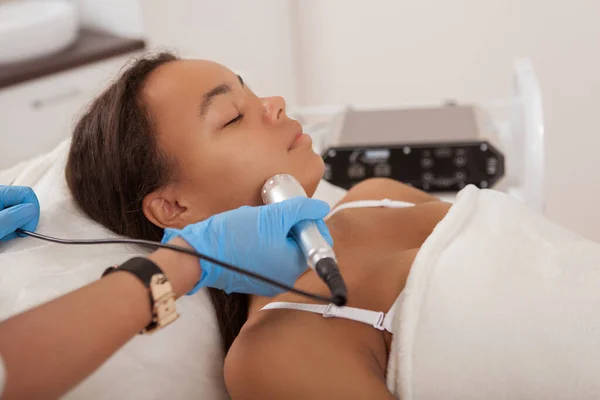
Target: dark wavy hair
x: 114, y: 162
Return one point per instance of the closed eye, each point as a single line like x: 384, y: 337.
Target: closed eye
x: 235, y: 120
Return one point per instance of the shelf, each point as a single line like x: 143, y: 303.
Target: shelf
x: 91, y: 46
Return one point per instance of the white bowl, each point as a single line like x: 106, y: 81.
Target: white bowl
x: 30, y: 28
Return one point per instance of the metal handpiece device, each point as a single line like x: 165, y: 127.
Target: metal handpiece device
x: 319, y: 254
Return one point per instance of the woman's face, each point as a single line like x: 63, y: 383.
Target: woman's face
x: 223, y: 142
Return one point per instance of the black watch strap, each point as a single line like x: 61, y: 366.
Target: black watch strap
x: 141, y: 267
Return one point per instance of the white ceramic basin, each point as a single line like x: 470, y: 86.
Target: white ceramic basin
x: 33, y: 28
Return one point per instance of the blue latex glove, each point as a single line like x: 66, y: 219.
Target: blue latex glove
x: 19, y: 208
x: 256, y: 239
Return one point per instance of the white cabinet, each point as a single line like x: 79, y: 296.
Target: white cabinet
x: 37, y: 115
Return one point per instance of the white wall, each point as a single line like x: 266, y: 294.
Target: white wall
x: 121, y: 17
x: 407, y: 52
x: 250, y: 37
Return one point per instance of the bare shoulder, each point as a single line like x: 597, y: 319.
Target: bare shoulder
x: 379, y: 188
x: 402, y: 228
x: 279, y: 358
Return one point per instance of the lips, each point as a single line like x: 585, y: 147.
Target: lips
x: 297, y: 135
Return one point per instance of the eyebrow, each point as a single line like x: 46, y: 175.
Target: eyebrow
x: 216, y: 91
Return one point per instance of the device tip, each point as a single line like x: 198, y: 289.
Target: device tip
x: 340, y: 300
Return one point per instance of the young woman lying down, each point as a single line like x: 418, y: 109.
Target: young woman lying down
x: 173, y: 142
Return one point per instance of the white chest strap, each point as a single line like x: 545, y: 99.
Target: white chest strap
x: 377, y: 320
x: 2, y: 376
x: 385, y: 203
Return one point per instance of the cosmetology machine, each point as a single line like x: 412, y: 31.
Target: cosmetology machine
x: 497, y: 144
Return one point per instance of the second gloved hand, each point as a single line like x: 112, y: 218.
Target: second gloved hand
x: 19, y: 208
x: 256, y: 239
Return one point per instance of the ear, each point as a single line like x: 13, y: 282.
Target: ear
x: 162, y: 209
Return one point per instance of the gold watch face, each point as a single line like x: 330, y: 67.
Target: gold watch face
x: 164, y: 310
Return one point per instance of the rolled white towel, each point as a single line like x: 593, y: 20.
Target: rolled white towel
x: 500, y: 304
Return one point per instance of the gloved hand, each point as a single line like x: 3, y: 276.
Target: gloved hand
x: 256, y: 239
x: 19, y: 208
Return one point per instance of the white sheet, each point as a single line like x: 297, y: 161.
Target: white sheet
x: 181, y: 362
x: 500, y: 304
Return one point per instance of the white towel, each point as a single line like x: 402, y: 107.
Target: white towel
x: 500, y: 304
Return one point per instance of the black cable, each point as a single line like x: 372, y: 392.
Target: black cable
x: 329, y: 272
x: 181, y: 250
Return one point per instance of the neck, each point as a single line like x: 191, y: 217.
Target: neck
x: 255, y: 303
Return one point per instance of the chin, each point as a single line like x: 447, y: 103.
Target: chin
x: 311, y: 176
x: 308, y: 169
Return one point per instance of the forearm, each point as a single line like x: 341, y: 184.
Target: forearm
x: 51, y: 348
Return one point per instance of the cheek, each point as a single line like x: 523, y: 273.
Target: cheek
x: 233, y: 173
x: 259, y: 160
x: 234, y: 178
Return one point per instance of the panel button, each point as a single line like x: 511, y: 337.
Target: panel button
x: 327, y: 173
x: 443, y: 152
x: 491, y: 166
x: 426, y: 162
x: 356, y: 171
x: 382, y: 170
x: 444, y: 182
x: 427, y: 177
x: 460, y: 161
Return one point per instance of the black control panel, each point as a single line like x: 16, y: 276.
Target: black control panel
x: 432, y: 167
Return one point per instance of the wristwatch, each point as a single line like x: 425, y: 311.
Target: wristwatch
x: 162, y: 298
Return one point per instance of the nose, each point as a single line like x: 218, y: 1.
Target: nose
x: 274, y: 109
